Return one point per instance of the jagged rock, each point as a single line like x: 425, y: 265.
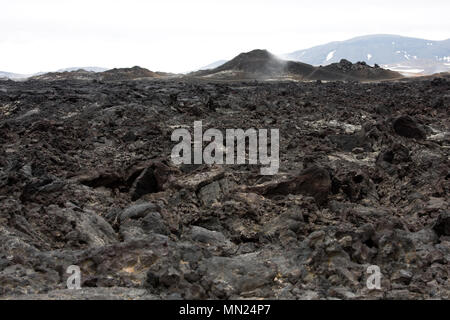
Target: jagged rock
x: 403, y: 276
x: 145, y: 183
x: 212, y: 239
x: 230, y: 276
x: 153, y: 222
x: 345, y: 65
x: 215, y: 191
x: 138, y: 211
x: 314, y: 181
x: 137, y: 221
x: 442, y: 225
x: 407, y: 127
x: 210, y: 193
x: 101, y: 179
x: 195, y: 182
x: 349, y: 142
x: 397, y: 154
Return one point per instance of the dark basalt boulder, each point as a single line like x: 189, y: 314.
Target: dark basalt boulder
x: 406, y: 126
x: 396, y: 154
x: 442, y: 225
x: 150, y: 180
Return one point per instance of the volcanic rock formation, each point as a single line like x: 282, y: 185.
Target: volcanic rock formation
x: 261, y: 64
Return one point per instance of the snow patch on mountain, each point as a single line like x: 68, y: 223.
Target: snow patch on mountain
x: 407, y: 70
x: 330, y: 55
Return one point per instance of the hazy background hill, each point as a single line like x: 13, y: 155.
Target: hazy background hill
x: 407, y: 55
x: 17, y: 76
x: 10, y: 75
x: 90, y: 69
x: 213, y: 65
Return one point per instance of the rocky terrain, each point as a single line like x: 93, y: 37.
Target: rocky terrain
x: 86, y: 179
x: 262, y: 65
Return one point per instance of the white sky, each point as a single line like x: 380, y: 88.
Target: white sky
x: 178, y: 36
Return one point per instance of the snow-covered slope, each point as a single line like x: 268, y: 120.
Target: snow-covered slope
x: 213, y: 65
x: 91, y: 69
x: 16, y: 76
x: 10, y: 75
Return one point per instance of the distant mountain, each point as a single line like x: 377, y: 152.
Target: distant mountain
x: 108, y: 75
x: 91, y: 69
x: 78, y: 74
x: 10, y: 75
x: 261, y: 64
x: 81, y: 70
x: 403, y: 54
x: 213, y: 65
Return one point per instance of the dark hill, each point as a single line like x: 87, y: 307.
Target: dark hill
x: 128, y: 74
x: 257, y: 64
x: 109, y: 75
x: 261, y: 64
x: 345, y: 70
x: 66, y: 75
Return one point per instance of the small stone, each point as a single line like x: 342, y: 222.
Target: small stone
x: 402, y: 276
x: 138, y: 211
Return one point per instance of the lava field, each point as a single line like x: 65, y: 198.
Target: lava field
x: 86, y: 179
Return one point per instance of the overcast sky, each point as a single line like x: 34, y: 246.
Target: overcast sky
x: 179, y: 36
